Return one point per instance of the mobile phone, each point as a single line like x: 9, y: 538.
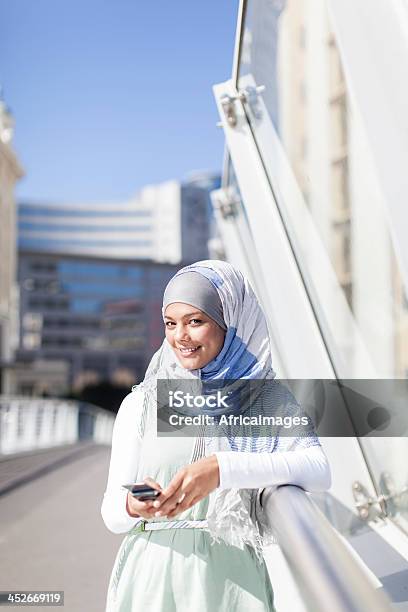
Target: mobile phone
x: 142, y: 492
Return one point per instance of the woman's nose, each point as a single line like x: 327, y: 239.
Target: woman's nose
x: 181, y: 332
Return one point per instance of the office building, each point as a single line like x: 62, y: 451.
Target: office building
x: 168, y: 223
x: 323, y: 135
x: 92, y: 279
x: 10, y: 172
x: 101, y: 316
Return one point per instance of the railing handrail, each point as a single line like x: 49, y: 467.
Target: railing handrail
x: 57, y: 400
x: 34, y: 423
x: 327, y: 574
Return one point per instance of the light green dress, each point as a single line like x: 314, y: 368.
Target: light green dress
x: 179, y: 570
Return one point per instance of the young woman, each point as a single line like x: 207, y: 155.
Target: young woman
x: 197, y: 546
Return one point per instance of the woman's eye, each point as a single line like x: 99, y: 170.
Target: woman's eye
x: 171, y: 323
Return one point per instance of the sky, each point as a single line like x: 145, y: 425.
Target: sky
x: 111, y: 95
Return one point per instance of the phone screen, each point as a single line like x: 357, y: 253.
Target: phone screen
x: 142, y: 491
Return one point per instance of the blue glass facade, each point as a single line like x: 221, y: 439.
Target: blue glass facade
x: 86, y: 270
x: 197, y: 216
x: 60, y: 245
x: 100, y: 315
x: 30, y: 210
x: 29, y: 225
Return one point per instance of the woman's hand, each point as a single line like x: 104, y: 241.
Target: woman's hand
x: 138, y: 508
x: 191, y: 484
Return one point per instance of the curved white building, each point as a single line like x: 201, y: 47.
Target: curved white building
x: 167, y: 223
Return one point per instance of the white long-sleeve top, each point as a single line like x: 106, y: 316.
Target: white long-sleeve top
x: 306, y: 467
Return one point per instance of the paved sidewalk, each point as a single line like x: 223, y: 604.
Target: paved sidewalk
x: 52, y: 536
x: 18, y: 469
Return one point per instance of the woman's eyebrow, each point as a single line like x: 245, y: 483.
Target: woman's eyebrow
x: 190, y: 314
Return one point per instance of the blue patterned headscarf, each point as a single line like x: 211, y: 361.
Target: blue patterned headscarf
x: 246, y: 353
x: 245, y: 357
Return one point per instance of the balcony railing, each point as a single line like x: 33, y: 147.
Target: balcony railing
x: 29, y: 424
x: 327, y: 575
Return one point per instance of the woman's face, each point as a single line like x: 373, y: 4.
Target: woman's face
x: 194, y: 337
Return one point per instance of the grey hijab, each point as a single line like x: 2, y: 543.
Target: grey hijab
x: 193, y: 288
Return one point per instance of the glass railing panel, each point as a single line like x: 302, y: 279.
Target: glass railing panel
x: 315, y: 151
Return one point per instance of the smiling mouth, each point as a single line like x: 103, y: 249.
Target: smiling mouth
x: 189, y: 351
